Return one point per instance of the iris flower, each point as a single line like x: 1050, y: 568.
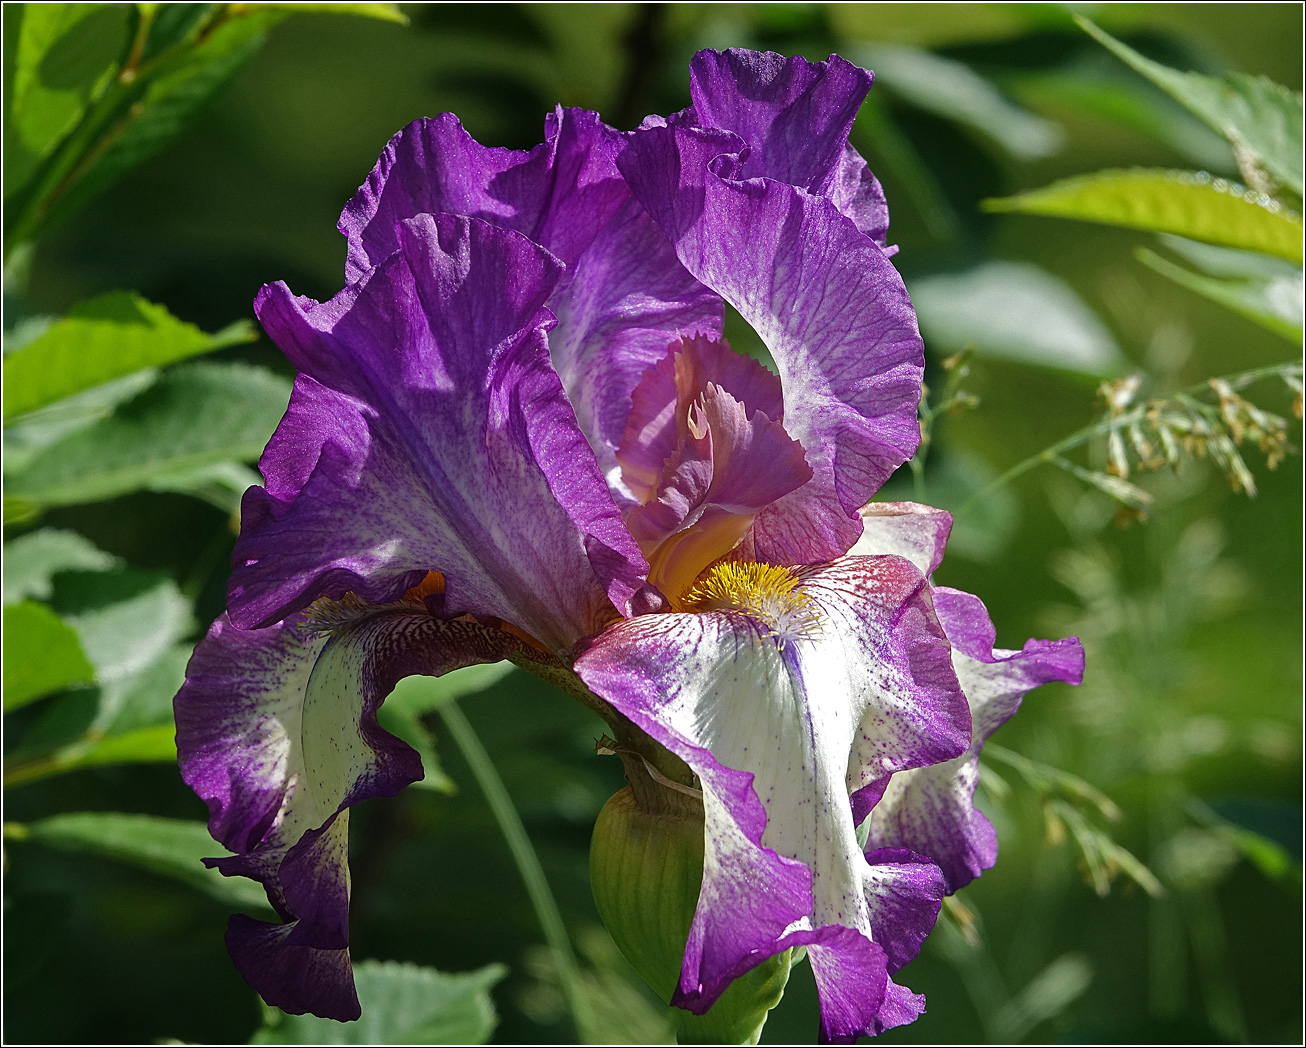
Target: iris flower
x: 518, y: 432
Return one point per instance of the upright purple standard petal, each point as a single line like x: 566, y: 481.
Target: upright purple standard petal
x: 277, y: 733
x: 623, y: 298
x: 795, y: 116
x: 828, y: 304
x: 783, y: 693
x: 931, y: 810
x: 428, y: 431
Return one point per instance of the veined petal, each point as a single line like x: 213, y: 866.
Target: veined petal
x: 727, y: 468
x: 795, y: 116
x: 428, y: 431
x: 776, y: 711
x: 277, y: 733
x: 624, y: 296
x: 931, y: 810
x: 659, y: 413
x: 826, y: 301
x: 905, y: 529
x: 559, y: 194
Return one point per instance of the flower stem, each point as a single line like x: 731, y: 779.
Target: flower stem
x: 1083, y: 436
x: 528, y: 863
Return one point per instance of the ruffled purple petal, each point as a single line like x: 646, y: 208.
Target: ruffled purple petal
x: 428, y: 431
x: 826, y: 301
x: 931, y: 810
x: 794, y: 116
x: 559, y: 194
x: 779, y: 726
x: 623, y: 298
x: 277, y: 734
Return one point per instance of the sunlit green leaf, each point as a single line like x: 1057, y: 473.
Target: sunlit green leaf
x: 402, y: 1004
x: 170, y: 847
x: 31, y: 562
x: 42, y: 654
x: 103, y: 339
x: 126, y: 619
x: 64, y: 58
x: 1275, y: 303
x: 956, y: 92
x: 1251, y: 111
x: 1191, y: 205
x: 193, y: 417
x: 1016, y: 311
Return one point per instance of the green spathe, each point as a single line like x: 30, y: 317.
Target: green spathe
x: 646, y: 869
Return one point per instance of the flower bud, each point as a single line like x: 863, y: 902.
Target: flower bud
x: 646, y: 867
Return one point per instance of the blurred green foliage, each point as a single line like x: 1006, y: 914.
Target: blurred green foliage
x: 1149, y: 885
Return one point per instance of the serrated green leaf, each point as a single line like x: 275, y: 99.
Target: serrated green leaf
x: 194, y: 416
x: 1250, y: 111
x: 402, y: 1004
x: 1190, y: 205
x: 65, y: 56
x: 1275, y: 303
x: 102, y: 339
x: 42, y: 655
x: 170, y: 847
x: 31, y: 562
x: 955, y: 91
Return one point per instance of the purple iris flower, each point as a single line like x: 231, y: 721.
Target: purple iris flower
x: 519, y: 433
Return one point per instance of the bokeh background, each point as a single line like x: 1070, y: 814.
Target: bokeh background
x: 1189, y: 718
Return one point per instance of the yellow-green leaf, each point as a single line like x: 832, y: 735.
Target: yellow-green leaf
x: 102, y: 339
x: 41, y: 654
x: 1193, y: 205
x: 1250, y: 111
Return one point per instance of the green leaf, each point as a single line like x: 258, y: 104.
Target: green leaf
x: 41, y: 655
x: 149, y: 111
x: 1275, y: 303
x: 1191, y: 205
x: 1111, y: 93
x: 126, y: 618
x: 419, y: 695
x: 171, y: 847
x: 954, y: 91
x: 1015, y: 311
x: 64, y: 59
x: 402, y: 1004
x: 103, y: 339
x: 32, y: 561
x: 1253, y: 112
x: 221, y: 484
x: 383, y: 12
x: 416, y: 696
x: 193, y: 417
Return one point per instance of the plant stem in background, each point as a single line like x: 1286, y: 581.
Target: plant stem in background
x: 1051, y: 453
x: 528, y: 863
